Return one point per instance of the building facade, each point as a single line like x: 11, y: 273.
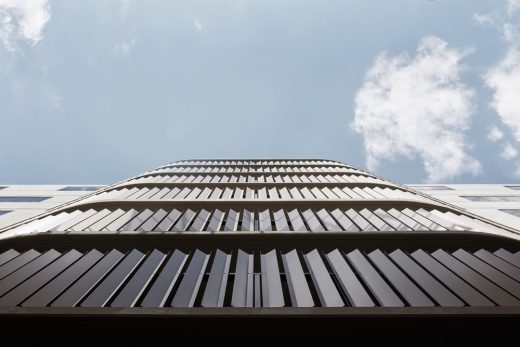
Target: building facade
x: 260, y: 243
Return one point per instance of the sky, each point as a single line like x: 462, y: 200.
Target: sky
x: 418, y: 91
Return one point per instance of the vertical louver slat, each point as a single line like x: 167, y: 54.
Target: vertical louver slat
x: 327, y: 291
x: 165, y: 281
x: 216, y: 287
x: 102, y: 294
x: 351, y: 286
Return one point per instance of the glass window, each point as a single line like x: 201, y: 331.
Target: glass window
x: 81, y: 188
x: 514, y: 212
x: 431, y: 187
x: 23, y: 198
x: 513, y: 187
x: 2, y: 187
x: 4, y: 212
x: 504, y: 198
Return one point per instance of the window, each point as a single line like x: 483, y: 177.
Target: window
x: 513, y: 187
x: 431, y: 187
x: 504, y: 198
x: 514, y: 212
x: 2, y: 187
x: 4, y: 212
x: 81, y: 188
x: 23, y: 198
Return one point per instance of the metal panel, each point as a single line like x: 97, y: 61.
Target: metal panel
x: 182, y: 194
x: 118, y: 223
x: 272, y: 295
x: 499, y: 263
x: 298, y: 287
x: 227, y: 193
x: 312, y: 221
x: 55, y: 287
x: 138, y: 283
x: 8, y: 255
x: 262, y: 193
x: 454, y: 283
x: 411, y: 223
x: 109, y: 286
x: 485, y: 286
x: 18, y: 262
x: 264, y: 220
x: 91, y: 220
x: 168, y: 221
x: 80, y: 288
x: 106, y: 220
x: 428, y: 223
x: 273, y: 194
x: 280, y: 221
x: 390, y: 220
x: 508, y: 256
x: 216, y: 221
x: 184, y: 220
x: 153, y: 220
x: 499, y: 278
x: 329, y: 223
x: 239, y: 193
x: 295, y: 193
x: 381, y: 290
x: 27, y: 288
x: 428, y: 283
x: 137, y: 221
x: 217, y: 281
x: 248, y: 221
x: 231, y: 221
x: 200, y: 221
x: 205, y: 194
x: 26, y: 271
x: 190, y: 283
x: 193, y: 194
x: 359, y: 220
x: 75, y: 220
x: 243, y: 283
x: 327, y: 291
x: 351, y: 286
x: 163, y: 284
x: 406, y: 288
x: 296, y: 220
x: 171, y: 194
x: 375, y: 221
x: 344, y: 221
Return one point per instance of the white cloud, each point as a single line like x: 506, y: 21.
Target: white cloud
x: 417, y: 106
x: 483, y: 19
x: 512, y: 6
x: 495, y: 134
x: 22, y: 20
x: 127, y: 6
x: 124, y: 48
x: 197, y: 25
x: 504, y: 81
x: 509, y: 152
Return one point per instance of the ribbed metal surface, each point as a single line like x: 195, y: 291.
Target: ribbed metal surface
x: 256, y: 177
x: 281, y: 220
x: 253, y: 193
x: 332, y: 278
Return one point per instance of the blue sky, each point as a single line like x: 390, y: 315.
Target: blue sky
x: 416, y: 91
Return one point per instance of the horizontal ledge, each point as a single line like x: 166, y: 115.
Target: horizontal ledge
x: 317, y: 312
x: 258, y: 165
x: 346, y: 172
x: 264, y: 242
x: 255, y: 204
x: 257, y: 185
